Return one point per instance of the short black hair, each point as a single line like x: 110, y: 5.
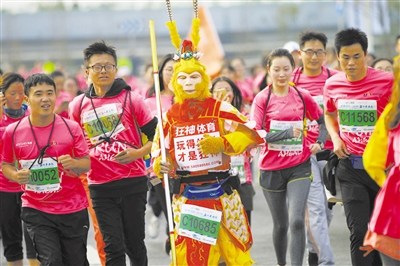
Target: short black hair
x: 37, y: 79
x: 312, y: 35
x: 8, y: 79
x: 98, y: 48
x: 56, y: 73
x: 349, y: 37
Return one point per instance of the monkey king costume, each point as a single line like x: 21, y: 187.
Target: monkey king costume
x: 200, y: 135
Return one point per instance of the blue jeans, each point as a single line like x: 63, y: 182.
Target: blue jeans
x: 318, y: 217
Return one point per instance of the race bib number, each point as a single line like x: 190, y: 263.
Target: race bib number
x: 357, y: 115
x: 293, y: 144
x: 237, y: 165
x: 44, y: 177
x: 200, y: 223
x: 319, y: 99
x: 103, y: 124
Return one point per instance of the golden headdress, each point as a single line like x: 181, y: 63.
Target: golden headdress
x: 187, y: 59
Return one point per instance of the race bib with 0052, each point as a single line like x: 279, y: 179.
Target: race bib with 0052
x: 44, y: 177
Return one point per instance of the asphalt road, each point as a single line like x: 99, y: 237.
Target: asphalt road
x: 262, y: 250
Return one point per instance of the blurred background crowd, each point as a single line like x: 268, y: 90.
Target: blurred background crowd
x: 48, y: 36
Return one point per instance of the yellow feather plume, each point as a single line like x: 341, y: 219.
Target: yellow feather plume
x: 174, y: 34
x: 195, y: 32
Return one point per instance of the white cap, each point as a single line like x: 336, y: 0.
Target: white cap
x: 291, y: 46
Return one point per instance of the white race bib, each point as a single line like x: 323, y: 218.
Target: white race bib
x: 44, y: 177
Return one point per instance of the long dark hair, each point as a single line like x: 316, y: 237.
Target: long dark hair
x: 152, y: 90
x: 237, y: 95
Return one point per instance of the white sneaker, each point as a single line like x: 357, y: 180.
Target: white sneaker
x: 153, y: 228
x: 331, y: 198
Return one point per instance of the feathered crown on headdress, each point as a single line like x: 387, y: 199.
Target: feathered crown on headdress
x: 188, y: 49
x: 187, y: 58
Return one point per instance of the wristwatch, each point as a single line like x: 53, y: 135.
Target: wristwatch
x: 321, y: 145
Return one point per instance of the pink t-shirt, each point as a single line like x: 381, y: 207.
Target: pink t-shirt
x: 359, y: 105
x: 281, y: 113
x: 124, y: 135
x: 315, y: 85
x: 246, y: 88
x: 63, y: 97
x: 71, y: 196
x: 166, y: 102
x: 5, y: 184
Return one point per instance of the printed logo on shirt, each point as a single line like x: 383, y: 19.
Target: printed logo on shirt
x: 106, y: 151
x: 23, y: 144
x: 340, y: 96
x: 367, y: 94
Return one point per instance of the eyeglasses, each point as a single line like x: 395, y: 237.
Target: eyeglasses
x: 318, y: 53
x: 99, y: 68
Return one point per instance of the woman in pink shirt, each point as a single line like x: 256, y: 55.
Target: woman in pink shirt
x: 224, y: 89
x: 12, y: 110
x: 282, y: 110
x: 157, y: 194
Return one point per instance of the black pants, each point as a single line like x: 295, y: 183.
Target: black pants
x: 358, y: 193
x: 155, y: 203
x: 59, y: 239
x: 122, y: 224
x: 11, y: 228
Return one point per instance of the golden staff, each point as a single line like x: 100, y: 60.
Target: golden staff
x: 161, y: 133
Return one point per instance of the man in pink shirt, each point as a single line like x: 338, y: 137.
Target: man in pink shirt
x: 353, y: 101
x: 114, y: 119
x: 312, y: 76
x: 46, y: 153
